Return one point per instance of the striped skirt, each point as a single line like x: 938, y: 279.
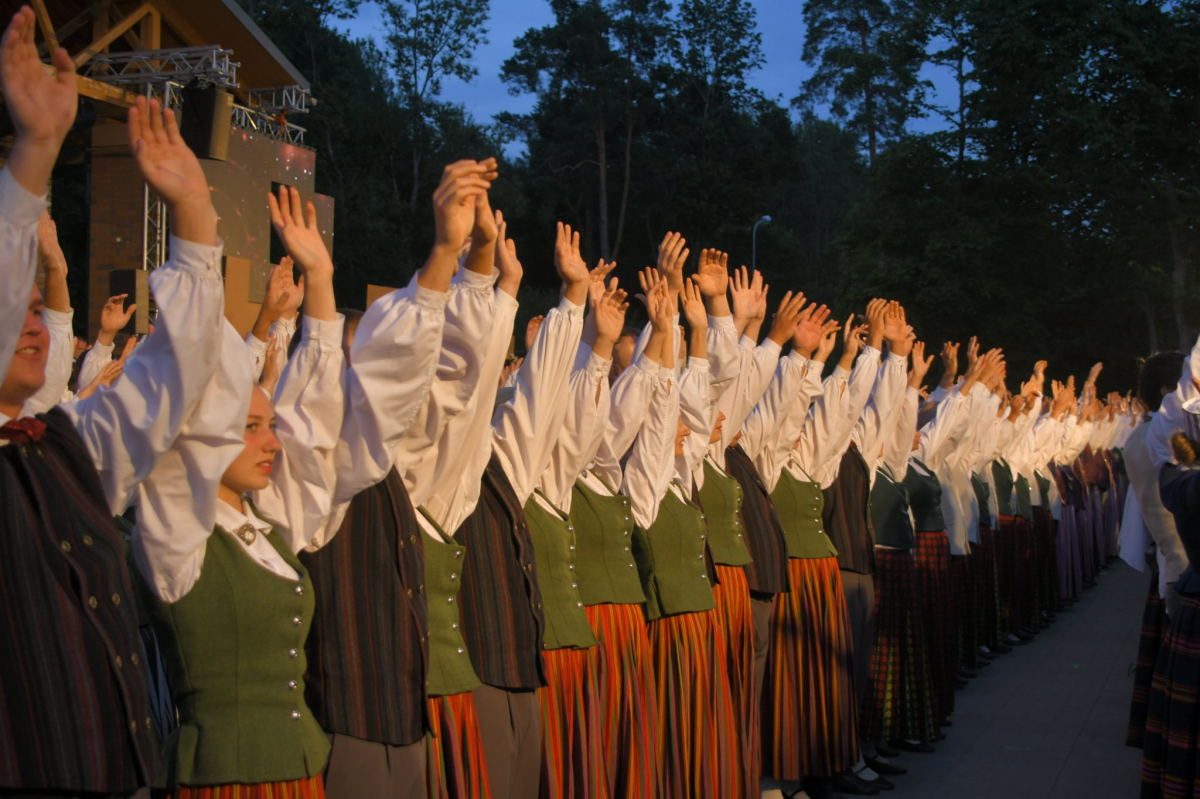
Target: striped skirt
x: 808, y: 706
x: 697, y: 724
x: 628, y: 715
x: 899, y: 703
x: 456, y: 769
x: 732, y: 596
x: 1173, y: 716
x: 573, y: 763
x: 1154, y: 627
x: 310, y: 788
x: 1070, y: 564
x: 988, y: 588
x: 937, y: 618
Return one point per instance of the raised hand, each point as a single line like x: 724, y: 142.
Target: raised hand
x: 876, y: 322
x: 671, y: 257
x: 271, y: 369
x: 48, y: 247
x: 454, y: 201
x: 712, y: 273
x: 783, y: 325
x: 895, y: 326
x: 531, y: 330
x: 828, y: 341
x: 42, y: 107
x: 743, y: 298
x: 509, y: 267
x: 296, y: 225
x: 972, y: 350
x: 107, y: 376
x: 609, y: 316
x: 920, y: 366
x: 693, y: 306
x: 596, y: 287
x: 810, y: 329
x: 130, y: 345
x: 509, y: 368
x: 1094, y: 373
x: 172, y: 171
x: 1038, y: 382
x: 760, y: 289
x: 113, y: 318
x: 659, y: 307
x: 570, y: 265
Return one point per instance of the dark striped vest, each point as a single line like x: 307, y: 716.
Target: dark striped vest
x: 1003, y: 480
x: 367, y: 654
x: 501, y: 601
x: 72, y: 677
x: 848, y: 514
x: 767, y: 573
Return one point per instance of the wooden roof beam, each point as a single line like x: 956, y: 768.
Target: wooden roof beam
x: 112, y: 34
x: 43, y: 19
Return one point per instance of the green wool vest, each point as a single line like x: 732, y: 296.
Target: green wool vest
x: 1024, y: 498
x: 670, y: 559
x: 234, y: 651
x: 800, y: 505
x: 604, y: 569
x: 450, y: 670
x: 721, y: 498
x: 554, y: 553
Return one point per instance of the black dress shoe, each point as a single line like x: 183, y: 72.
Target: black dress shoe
x: 1014, y: 640
x: 986, y: 656
x: 847, y: 782
x: 817, y: 789
x: 941, y: 736
x: 885, y: 769
x: 885, y: 751
x: 909, y: 746
x: 967, y: 674
x: 1001, y: 648
x: 880, y: 783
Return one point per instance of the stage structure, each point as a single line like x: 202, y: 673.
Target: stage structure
x: 237, y: 97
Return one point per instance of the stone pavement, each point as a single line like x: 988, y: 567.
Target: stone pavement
x: 1048, y: 720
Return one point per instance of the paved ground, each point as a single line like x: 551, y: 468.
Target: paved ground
x: 1047, y: 721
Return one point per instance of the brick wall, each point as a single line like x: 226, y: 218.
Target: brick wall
x: 116, y: 215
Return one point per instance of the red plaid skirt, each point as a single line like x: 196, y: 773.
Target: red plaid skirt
x: 1169, y: 764
x: 937, y: 617
x: 899, y: 702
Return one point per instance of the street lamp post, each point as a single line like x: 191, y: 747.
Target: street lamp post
x: 754, y: 241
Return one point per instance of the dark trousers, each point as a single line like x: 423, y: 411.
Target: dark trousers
x: 510, y: 724
x: 359, y: 768
x: 860, y: 606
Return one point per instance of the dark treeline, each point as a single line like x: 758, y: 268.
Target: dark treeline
x: 1053, y: 214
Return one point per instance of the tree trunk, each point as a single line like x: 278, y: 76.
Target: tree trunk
x: 602, y: 161
x: 868, y: 97
x: 1179, y: 266
x: 962, y: 129
x: 1151, y: 324
x: 628, y: 177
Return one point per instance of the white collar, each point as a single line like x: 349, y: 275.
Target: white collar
x: 230, y: 519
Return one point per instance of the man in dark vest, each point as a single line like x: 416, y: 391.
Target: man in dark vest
x: 73, y: 685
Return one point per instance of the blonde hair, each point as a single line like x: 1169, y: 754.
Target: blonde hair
x: 1187, y: 450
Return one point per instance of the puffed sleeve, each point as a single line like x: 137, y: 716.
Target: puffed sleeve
x: 59, y: 361
x: 19, y: 212
x: 128, y: 427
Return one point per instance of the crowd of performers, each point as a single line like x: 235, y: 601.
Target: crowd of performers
x: 359, y: 555
x: 1159, y: 534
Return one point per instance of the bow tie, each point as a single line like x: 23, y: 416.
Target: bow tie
x: 23, y: 431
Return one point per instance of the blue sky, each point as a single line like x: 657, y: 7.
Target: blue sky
x: 779, y: 21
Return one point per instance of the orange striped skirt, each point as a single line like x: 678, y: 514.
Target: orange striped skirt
x: 310, y: 788
x: 628, y: 714
x: 698, y: 728
x: 573, y: 764
x: 456, y: 768
x: 732, y: 595
x: 810, y: 714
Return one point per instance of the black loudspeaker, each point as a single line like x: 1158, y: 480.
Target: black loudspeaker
x: 135, y: 283
x: 207, y: 116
